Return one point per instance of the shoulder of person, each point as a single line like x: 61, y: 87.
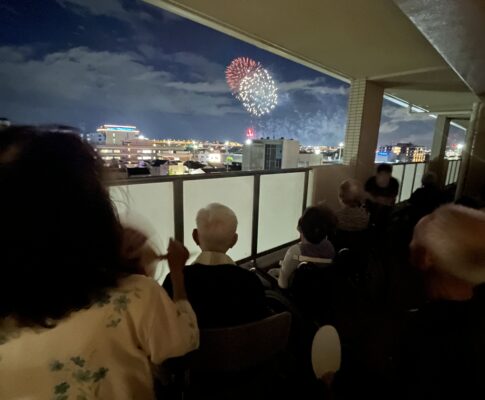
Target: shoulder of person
x: 295, y: 249
x: 139, y: 286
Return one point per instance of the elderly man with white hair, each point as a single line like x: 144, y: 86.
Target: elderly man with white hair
x: 220, y: 292
x: 215, y: 234
x: 443, y: 348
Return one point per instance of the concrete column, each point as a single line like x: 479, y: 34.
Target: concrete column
x: 437, y: 160
x: 363, y: 121
x: 472, y: 173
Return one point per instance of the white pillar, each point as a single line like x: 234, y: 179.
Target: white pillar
x: 472, y: 173
x: 437, y: 160
x: 363, y: 122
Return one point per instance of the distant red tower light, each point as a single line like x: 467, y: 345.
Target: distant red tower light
x: 250, y: 133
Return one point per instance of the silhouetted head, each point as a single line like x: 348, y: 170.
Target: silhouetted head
x: 449, y: 247
x: 60, y: 238
x: 216, y: 228
x: 351, y: 193
x: 430, y: 180
x: 384, y: 174
x: 317, y: 223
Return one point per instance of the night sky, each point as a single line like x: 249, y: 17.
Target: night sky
x: 89, y: 62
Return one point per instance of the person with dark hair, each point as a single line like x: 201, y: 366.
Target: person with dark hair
x: 352, y: 217
x: 315, y: 225
x: 75, y: 322
x: 427, y: 198
x: 383, y: 188
x: 382, y: 191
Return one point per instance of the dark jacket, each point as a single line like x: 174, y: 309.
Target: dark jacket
x: 223, y: 295
x: 443, y: 352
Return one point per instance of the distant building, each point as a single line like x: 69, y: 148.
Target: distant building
x: 310, y: 159
x: 140, y: 150
x: 402, y: 152
x: 95, y: 138
x: 209, y: 158
x: 117, y: 134
x: 270, y: 154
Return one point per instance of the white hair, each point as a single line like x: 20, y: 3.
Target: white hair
x: 455, y: 237
x: 216, y: 227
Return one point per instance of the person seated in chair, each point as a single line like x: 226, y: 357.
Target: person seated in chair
x: 221, y: 293
x: 352, y: 217
x: 314, y: 226
x: 427, y: 198
x: 382, y: 191
x: 443, y: 347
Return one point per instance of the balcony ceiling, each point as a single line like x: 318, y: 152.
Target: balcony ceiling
x: 456, y: 29
x: 346, y: 38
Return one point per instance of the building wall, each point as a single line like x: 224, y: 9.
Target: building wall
x: 309, y: 160
x: 253, y: 157
x: 326, y: 182
x: 291, y: 150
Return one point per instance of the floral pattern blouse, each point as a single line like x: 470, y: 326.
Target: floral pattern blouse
x: 104, y: 352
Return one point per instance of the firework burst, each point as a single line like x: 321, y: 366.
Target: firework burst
x: 237, y: 70
x: 252, y: 85
x: 258, y: 92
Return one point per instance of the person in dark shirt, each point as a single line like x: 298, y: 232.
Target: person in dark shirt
x: 382, y: 191
x: 221, y: 293
x: 383, y: 188
x: 443, y: 347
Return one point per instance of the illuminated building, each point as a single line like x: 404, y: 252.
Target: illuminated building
x: 270, y: 154
x: 117, y: 134
x: 402, y: 152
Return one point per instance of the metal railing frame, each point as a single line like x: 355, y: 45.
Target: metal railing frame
x: 178, y: 196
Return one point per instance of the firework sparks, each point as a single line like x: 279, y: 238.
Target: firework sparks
x: 258, y: 92
x: 252, y: 85
x: 237, y: 70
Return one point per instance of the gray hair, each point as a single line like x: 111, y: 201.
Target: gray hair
x: 216, y: 226
x: 455, y: 237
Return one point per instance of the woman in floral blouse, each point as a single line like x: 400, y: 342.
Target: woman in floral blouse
x: 75, y: 322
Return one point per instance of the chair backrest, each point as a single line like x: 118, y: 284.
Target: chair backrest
x: 244, y: 346
x: 310, y: 279
x: 326, y: 351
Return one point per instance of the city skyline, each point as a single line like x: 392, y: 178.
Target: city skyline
x: 87, y: 62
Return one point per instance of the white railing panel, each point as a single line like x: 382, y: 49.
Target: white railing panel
x: 150, y: 207
x: 234, y: 192
x: 419, y: 175
x: 280, y: 207
x: 407, y: 183
x: 309, y: 199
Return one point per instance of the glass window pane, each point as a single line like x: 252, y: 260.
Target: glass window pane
x: 236, y: 193
x: 150, y: 206
x: 280, y: 207
x: 407, y: 185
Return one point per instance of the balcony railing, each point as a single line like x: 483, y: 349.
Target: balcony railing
x: 409, y: 176
x: 268, y: 205
x: 452, y: 171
